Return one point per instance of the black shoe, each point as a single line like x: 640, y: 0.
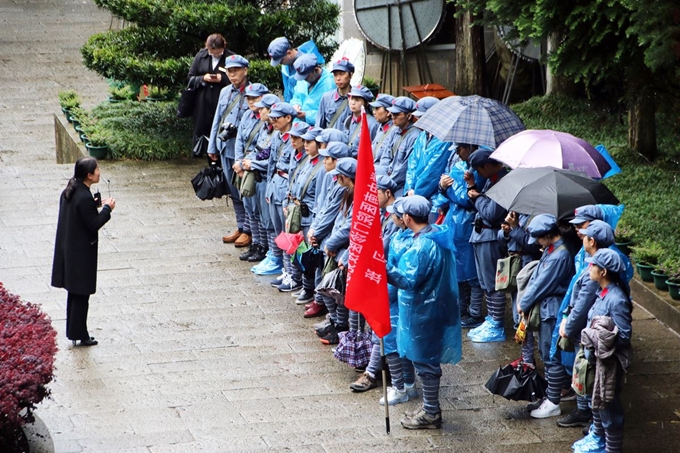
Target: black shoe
x: 333, y: 336
x: 322, y: 332
x: 586, y: 430
x: 470, y: 322
x: 306, y: 295
x: 575, y: 418
x: 89, y: 342
x: 248, y: 253
x: 259, y: 254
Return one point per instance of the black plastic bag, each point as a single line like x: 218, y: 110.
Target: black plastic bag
x: 187, y: 101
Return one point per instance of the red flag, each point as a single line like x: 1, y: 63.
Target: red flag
x: 366, y: 290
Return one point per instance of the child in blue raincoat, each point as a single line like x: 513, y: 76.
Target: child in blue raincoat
x: 429, y: 331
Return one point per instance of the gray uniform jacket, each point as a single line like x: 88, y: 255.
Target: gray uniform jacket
x: 328, y: 107
x: 228, y: 95
x: 490, y: 212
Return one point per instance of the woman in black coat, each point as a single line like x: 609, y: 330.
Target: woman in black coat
x: 75, y: 250
x: 208, y: 81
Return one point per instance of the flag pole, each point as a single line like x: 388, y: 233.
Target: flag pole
x: 383, y: 362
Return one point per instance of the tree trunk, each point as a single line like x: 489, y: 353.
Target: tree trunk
x: 556, y: 84
x: 470, y: 63
x: 641, y: 114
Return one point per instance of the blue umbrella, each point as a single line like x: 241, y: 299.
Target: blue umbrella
x: 471, y: 119
x: 615, y: 170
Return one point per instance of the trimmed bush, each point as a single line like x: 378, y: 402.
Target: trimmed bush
x: 166, y: 34
x: 27, y: 348
x: 143, y: 130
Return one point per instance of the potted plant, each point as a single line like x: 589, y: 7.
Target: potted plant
x: 97, y: 141
x: 624, y: 238
x: 373, y: 85
x: 81, y: 121
x: 673, y: 282
x: 660, y: 275
x: 77, y: 116
x: 646, y: 258
x: 157, y: 94
x: 121, y: 93
x: 68, y: 100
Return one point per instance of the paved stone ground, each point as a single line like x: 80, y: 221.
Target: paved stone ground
x: 195, y: 354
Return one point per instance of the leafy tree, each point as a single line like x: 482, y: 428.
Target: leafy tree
x: 165, y: 35
x: 635, y: 43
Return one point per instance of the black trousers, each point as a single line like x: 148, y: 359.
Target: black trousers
x: 76, y: 316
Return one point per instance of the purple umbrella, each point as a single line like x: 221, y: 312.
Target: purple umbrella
x: 545, y: 148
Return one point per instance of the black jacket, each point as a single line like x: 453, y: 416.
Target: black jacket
x: 75, y: 250
x: 207, y: 94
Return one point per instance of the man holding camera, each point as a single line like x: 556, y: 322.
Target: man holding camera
x: 230, y: 108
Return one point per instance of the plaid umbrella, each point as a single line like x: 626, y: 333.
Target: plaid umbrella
x: 471, y: 119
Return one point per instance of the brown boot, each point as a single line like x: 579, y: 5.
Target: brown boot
x: 232, y: 237
x: 244, y: 240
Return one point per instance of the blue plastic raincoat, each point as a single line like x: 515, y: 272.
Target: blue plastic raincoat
x: 426, y: 164
x: 288, y: 71
x: 399, y: 243
x: 429, y: 328
x: 459, y: 218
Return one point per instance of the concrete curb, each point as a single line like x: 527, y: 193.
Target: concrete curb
x: 658, y: 303
x: 39, y: 438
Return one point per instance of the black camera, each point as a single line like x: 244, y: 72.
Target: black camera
x: 304, y: 209
x: 227, y: 131
x: 479, y: 225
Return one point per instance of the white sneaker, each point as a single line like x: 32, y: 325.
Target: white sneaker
x: 546, y: 409
x: 411, y: 390
x: 394, y: 396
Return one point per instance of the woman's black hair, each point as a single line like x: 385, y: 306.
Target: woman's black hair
x: 347, y: 198
x: 84, y: 166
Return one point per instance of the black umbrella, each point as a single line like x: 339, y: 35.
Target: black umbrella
x: 209, y: 182
x: 553, y: 191
x: 333, y: 285
x: 517, y: 382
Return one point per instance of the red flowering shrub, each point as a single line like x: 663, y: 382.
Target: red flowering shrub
x: 27, y: 348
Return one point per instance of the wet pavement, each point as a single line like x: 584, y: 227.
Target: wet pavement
x: 197, y: 355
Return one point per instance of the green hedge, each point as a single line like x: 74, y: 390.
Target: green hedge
x: 144, y: 130
x: 166, y: 34
x: 650, y: 192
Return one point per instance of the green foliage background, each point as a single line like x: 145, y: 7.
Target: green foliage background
x: 166, y: 34
x: 649, y: 191
x: 144, y: 130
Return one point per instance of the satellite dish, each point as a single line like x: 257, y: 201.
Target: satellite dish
x: 398, y: 24
x: 529, y: 50
x: 353, y: 50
